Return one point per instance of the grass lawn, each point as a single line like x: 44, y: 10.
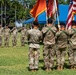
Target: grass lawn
x: 14, y: 61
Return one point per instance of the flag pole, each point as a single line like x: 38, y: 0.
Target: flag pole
x: 57, y: 15
x: 46, y: 11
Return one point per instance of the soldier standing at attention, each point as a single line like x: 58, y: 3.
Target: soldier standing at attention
x: 6, y: 36
x: 14, y: 36
x: 23, y: 35
x: 34, y: 35
x: 61, y: 44
x: 1, y: 34
x: 72, y: 45
x: 49, y: 44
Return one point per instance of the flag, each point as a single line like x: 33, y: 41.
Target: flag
x: 52, y: 8
x: 39, y: 7
x: 72, y: 11
x: 74, y: 6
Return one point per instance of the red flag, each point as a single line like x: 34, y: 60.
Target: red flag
x: 72, y: 11
x: 39, y: 7
x: 52, y: 7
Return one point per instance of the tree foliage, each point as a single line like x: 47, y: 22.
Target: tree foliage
x: 18, y: 9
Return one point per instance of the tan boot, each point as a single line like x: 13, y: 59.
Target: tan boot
x: 72, y: 67
x: 58, y: 68
x: 48, y: 69
x: 61, y: 67
x: 33, y: 70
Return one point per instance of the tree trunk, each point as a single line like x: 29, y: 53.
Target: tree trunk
x: 5, y: 14
x: 1, y: 15
x: 15, y: 14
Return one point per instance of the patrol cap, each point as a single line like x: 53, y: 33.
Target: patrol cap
x: 73, y: 23
x: 35, y: 23
x: 62, y: 24
x: 50, y: 20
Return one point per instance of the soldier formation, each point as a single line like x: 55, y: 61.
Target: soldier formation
x: 6, y: 33
x: 56, y: 42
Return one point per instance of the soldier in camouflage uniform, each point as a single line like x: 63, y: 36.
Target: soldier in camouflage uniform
x: 23, y: 36
x: 14, y: 36
x: 1, y: 34
x: 72, y: 45
x: 61, y: 45
x: 49, y: 44
x: 34, y: 36
x: 6, y: 36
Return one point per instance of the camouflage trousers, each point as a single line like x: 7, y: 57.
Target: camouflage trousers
x: 14, y: 41
x: 60, y: 54
x: 0, y: 40
x: 48, y: 54
x: 34, y: 54
x: 72, y: 56
x: 22, y: 41
x: 6, y: 41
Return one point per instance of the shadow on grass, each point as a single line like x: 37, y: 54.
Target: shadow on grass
x: 41, y: 61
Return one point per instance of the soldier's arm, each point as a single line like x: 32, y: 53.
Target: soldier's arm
x: 70, y: 32
x: 28, y: 35
x: 43, y: 35
x: 54, y: 29
x: 4, y: 32
x: 11, y: 30
x: 58, y: 33
x: 19, y: 29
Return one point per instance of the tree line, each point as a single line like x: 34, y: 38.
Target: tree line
x: 12, y: 10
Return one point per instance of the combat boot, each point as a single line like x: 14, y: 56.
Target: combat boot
x: 48, y: 69
x: 32, y: 70
x: 58, y: 68
x: 72, y: 67
x: 61, y: 67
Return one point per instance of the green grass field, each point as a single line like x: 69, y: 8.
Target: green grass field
x: 14, y: 61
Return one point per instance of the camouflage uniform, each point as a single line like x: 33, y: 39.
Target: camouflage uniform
x: 23, y: 37
x: 61, y: 45
x: 72, y: 47
x: 6, y: 36
x: 49, y: 45
x: 1, y: 35
x: 14, y: 37
x: 34, y: 36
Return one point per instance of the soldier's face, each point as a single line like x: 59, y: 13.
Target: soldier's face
x: 74, y: 26
x: 6, y: 27
x: 62, y: 28
x: 49, y: 24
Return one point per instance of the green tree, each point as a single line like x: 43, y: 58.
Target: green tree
x: 1, y: 3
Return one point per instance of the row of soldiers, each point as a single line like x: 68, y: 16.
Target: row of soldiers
x: 5, y: 33
x: 56, y: 42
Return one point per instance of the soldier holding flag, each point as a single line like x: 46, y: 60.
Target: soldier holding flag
x: 49, y: 44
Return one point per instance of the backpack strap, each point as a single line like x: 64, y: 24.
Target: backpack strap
x: 73, y: 33
x: 49, y: 29
x: 60, y: 34
x: 74, y: 30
